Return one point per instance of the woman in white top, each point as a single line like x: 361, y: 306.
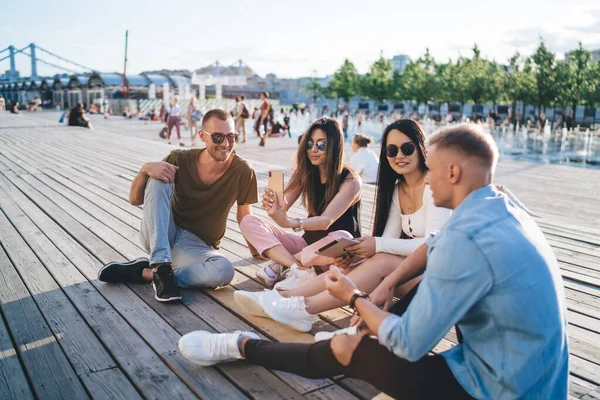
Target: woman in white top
x: 364, y: 161
x: 404, y: 216
x: 174, y: 120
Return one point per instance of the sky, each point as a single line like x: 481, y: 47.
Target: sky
x: 288, y: 38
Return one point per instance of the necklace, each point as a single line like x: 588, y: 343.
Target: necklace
x: 410, y: 205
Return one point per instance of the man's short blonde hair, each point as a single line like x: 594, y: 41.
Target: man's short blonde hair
x: 469, y: 139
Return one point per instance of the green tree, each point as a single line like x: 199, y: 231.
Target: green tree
x: 314, y: 89
x: 592, y: 95
x: 420, y: 83
x: 495, y: 83
x: 579, y: 71
x: 344, y: 83
x: 377, y: 83
x: 476, y: 78
x: 519, y: 82
x: 544, y: 70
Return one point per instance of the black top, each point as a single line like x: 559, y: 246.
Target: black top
x: 76, y: 117
x: 349, y: 221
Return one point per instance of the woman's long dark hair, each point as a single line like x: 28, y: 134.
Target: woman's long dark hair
x: 387, y: 177
x: 307, y: 176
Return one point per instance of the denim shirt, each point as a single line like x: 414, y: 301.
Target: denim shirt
x: 491, y: 272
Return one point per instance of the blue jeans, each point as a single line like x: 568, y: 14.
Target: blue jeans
x: 195, y: 264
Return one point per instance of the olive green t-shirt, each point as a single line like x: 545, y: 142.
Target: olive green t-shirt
x: 203, y: 209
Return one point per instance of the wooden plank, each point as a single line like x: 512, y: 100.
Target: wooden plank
x: 111, y: 384
x: 276, y: 380
x: 13, y: 382
x: 50, y: 373
x: 152, y: 328
x: 236, y: 245
x: 150, y: 296
x: 128, y: 348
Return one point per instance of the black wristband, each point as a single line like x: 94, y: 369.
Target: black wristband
x: 357, y: 294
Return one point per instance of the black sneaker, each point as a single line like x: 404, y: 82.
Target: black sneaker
x: 129, y: 271
x: 163, y: 282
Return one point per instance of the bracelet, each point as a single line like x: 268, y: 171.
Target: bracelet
x: 357, y: 294
x: 300, y: 227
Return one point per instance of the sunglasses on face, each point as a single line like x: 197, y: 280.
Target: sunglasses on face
x: 408, y: 148
x: 320, y: 145
x: 218, y: 138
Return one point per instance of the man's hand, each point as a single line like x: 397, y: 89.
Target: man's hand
x: 160, y: 170
x: 365, y: 249
x: 382, y: 296
x: 339, y: 285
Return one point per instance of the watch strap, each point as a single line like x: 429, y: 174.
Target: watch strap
x: 357, y: 294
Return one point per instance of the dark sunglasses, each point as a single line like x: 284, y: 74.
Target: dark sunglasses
x: 218, y: 138
x: 408, y: 148
x: 320, y: 145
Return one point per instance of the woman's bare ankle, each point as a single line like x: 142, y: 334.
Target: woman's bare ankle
x: 242, y: 344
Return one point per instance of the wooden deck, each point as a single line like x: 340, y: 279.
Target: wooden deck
x: 64, y: 212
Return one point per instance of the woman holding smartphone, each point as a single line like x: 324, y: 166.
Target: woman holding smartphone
x: 404, y: 216
x: 328, y: 189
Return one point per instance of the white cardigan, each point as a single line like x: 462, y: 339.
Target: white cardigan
x: 425, y: 220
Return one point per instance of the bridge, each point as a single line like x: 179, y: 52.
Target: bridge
x: 33, y: 55
x: 148, y: 85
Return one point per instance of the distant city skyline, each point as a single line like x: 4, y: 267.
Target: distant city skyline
x: 290, y: 39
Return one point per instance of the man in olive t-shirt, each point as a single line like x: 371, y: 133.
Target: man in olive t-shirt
x: 186, y: 203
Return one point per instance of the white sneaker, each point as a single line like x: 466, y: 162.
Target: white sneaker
x: 269, y: 275
x: 320, y: 336
x: 206, y: 348
x: 249, y: 301
x: 289, y: 311
x: 296, y: 278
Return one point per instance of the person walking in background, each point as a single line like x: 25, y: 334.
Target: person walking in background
x: 174, y: 121
x: 364, y: 161
x: 345, y: 120
x: 105, y: 107
x: 242, y: 117
x: 263, y: 118
x: 286, y: 125
x: 2, y: 103
x: 194, y: 115
x: 570, y: 121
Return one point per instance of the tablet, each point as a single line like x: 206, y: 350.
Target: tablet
x: 336, y: 248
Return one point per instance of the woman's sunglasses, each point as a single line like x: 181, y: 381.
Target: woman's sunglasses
x: 320, y: 145
x: 218, y: 138
x: 408, y: 148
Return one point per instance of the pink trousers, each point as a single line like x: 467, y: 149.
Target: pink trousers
x: 264, y: 236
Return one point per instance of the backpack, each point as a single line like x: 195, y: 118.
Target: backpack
x: 197, y: 115
x: 163, y: 132
x: 245, y: 113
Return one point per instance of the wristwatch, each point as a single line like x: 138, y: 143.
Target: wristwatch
x: 357, y: 294
x: 300, y: 227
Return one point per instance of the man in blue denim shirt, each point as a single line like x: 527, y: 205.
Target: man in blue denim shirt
x: 489, y: 271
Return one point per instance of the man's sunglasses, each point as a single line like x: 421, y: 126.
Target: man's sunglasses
x: 218, y: 138
x: 320, y: 145
x: 408, y: 148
